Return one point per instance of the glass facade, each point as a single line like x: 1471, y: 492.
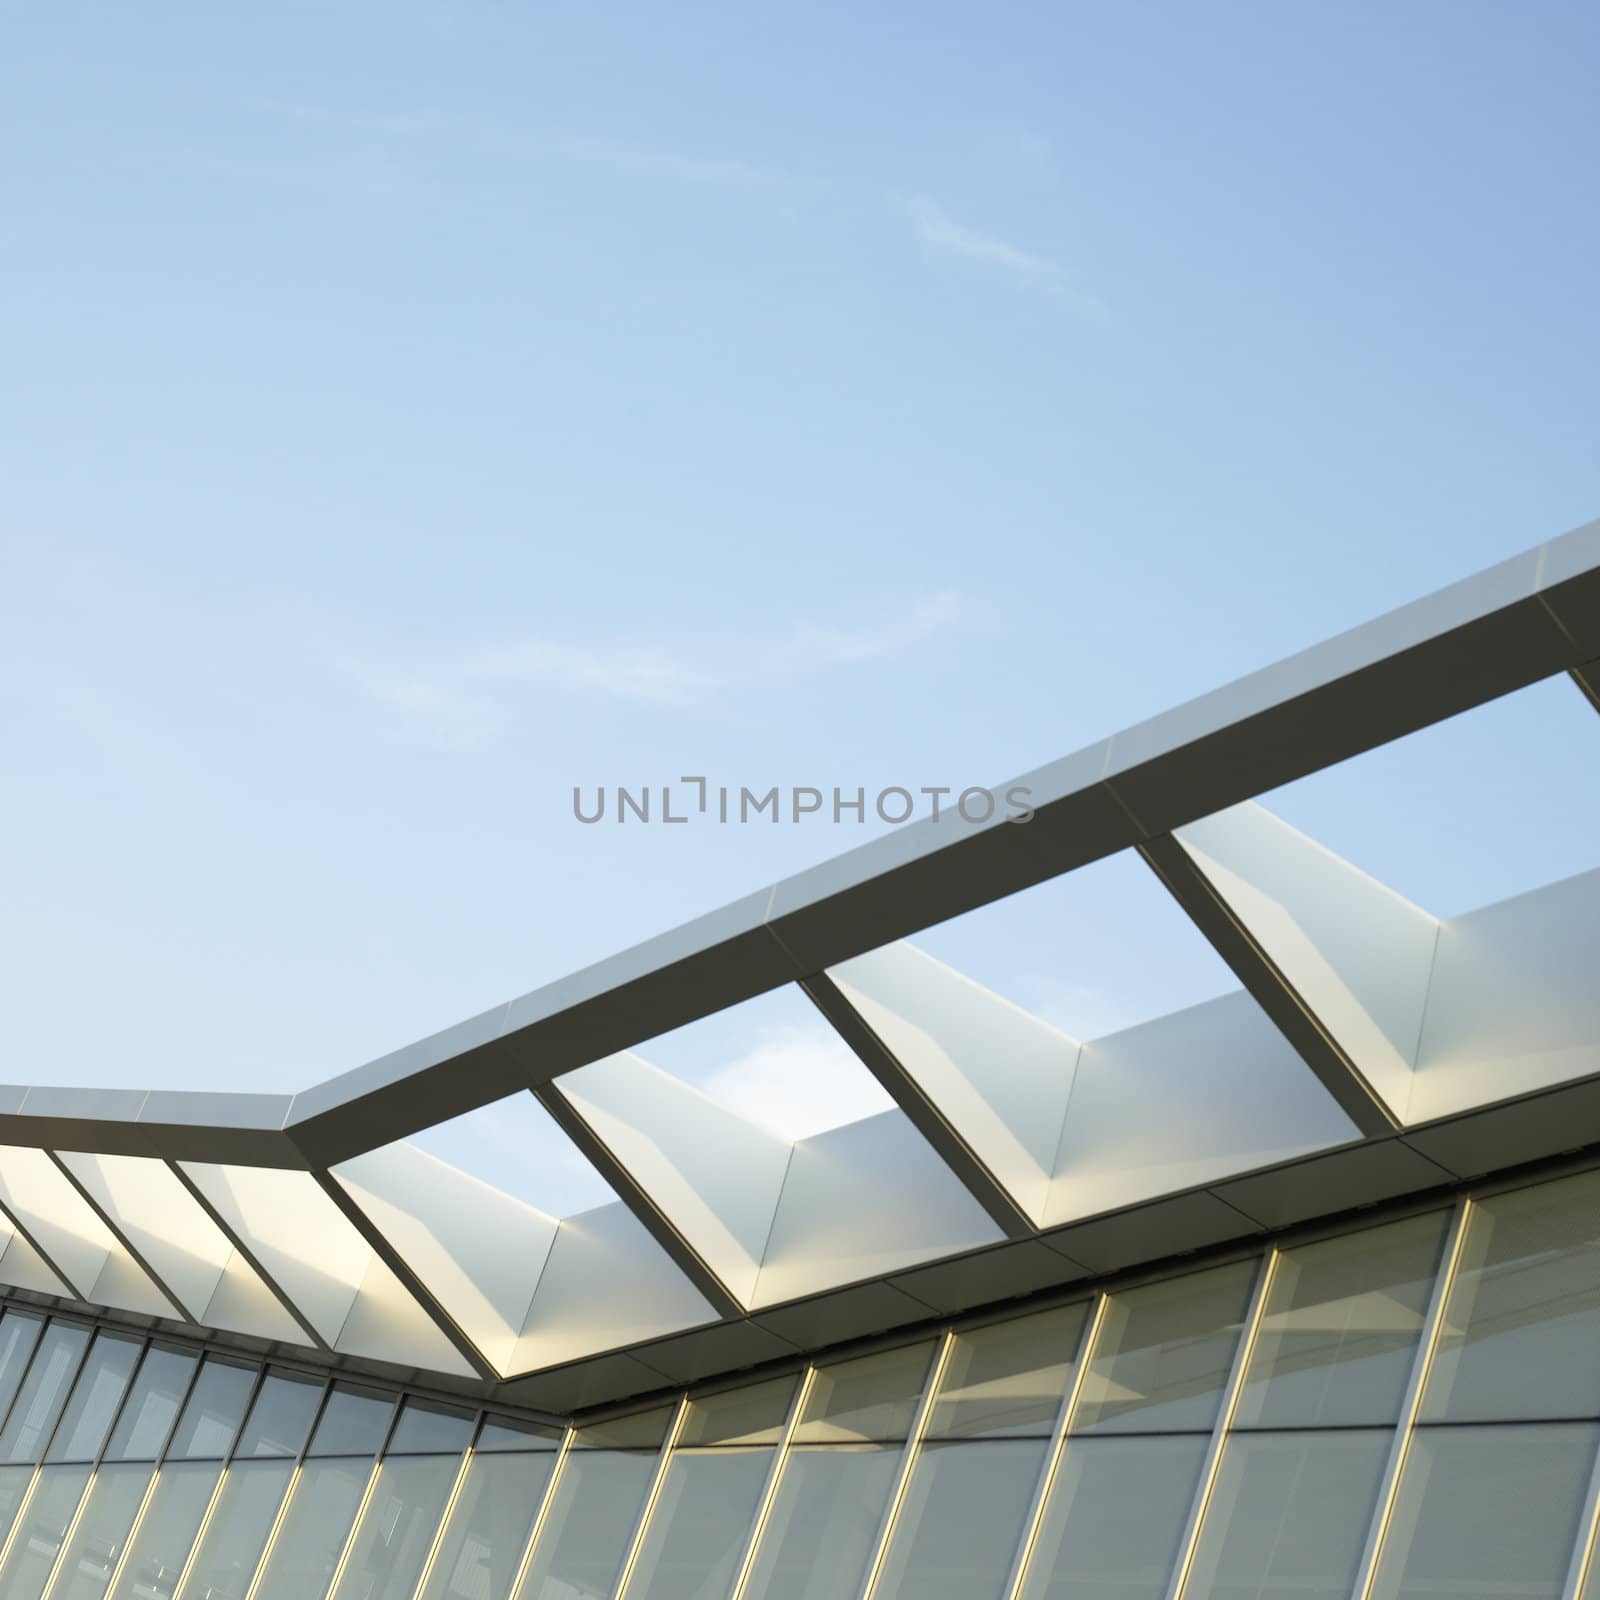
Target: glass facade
x: 1402, y: 1410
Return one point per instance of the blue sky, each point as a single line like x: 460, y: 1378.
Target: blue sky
x: 412, y: 411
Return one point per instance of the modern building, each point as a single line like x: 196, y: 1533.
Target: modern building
x: 1291, y: 1293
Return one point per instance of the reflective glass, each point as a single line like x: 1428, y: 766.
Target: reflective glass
x: 700, y: 1523
x: 233, y: 1539
x: 1487, y: 1511
x: 820, y: 1532
x: 1288, y: 1515
x: 871, y: 1398
x: 752, y: 1414
x: 585, y: 1539
x: 152, y: 1405
x: 212, y: 1412
x: 1115, y: 1518
x: 1008, y: 1378
x: 94, y: 1400
x: 315, y: 1528
x: 18, y: 1335
x: 44, y: 1525
x: 639, y: 1430
x: 14, y: 1481
x: 1163, y: 1352
x: 424, y: 1428
x: 281, y: 1416
x: 96, y: 1544
x: 44, y: 1392
x: 489, y: 1526
x: 352, y: 1423
x: 512, y: 1433
x: 167, y: 1530
x: 963, y: 1514
x: 1523, y: 1320
x: 1339, y: 1331
x: 397, y: 1526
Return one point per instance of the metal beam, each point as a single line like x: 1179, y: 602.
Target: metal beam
x: 1587, y: 678
x: 924, y: 1115
x: 427, y: 1301
x: 133, y: 1252
x: 1268, y: 986
x: 252, y: 1260
x: 640, y: 1202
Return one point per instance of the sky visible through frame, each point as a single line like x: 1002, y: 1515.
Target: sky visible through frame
x: 412, y: 412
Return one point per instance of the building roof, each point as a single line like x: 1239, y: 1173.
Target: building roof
x: 1372, y: 1050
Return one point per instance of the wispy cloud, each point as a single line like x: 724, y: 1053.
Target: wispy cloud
x: 798, y: 1082
x: 400, y: 137
x: 940, y: 234
x: 431, y: 705
x: 648, y: 162
x: 650, y: 674
x: 822, y: 645
x: 463, y: 702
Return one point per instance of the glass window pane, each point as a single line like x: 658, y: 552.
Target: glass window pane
x: 352, y: 1423
x: 44, y: 1525
x: 752, y: 1414
x: 1163, y: 1353
x: 18, y: 1336
x: 700, y: 1523
x: 315, y: 1528
x: 1523, y: 1320
x: 153, y: 1402
x: 167, y: 1531
x: 871, y: 1398
x: 44, y: 1391
x: 212, y: 1412
x: 1288, y: 1515
x: 95, y: 1398
x: 962, y: 1518
x: 91, y: 1557
x: 586, y: 1537
x: 397, y: 1526
x: 511, y: 1433
x: 1115, y: 1517
x: 1486, y: 1511
x: 639, y: 1430
x: 235, y: 1536
x: 824, y: 1520
x: 489, y: 1526
x: 14, y: 1481
x: 425, y: 1428
x: 281, y: 1416
x: 1008, y: 1378
x: 1341, y: 1325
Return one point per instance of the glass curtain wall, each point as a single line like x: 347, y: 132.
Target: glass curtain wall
x: 838, y: 1475
x: 240, y: 1518
x: 1498, y: 1469
x: 606, y: 1475
x: 972, y: 1483
x: 165, y: 1532
x: 1137, y: 1438
x: 492, y: 1517
x: 1402, y: 1410
x: 1300, y: 1472
x: 705, y: 1510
